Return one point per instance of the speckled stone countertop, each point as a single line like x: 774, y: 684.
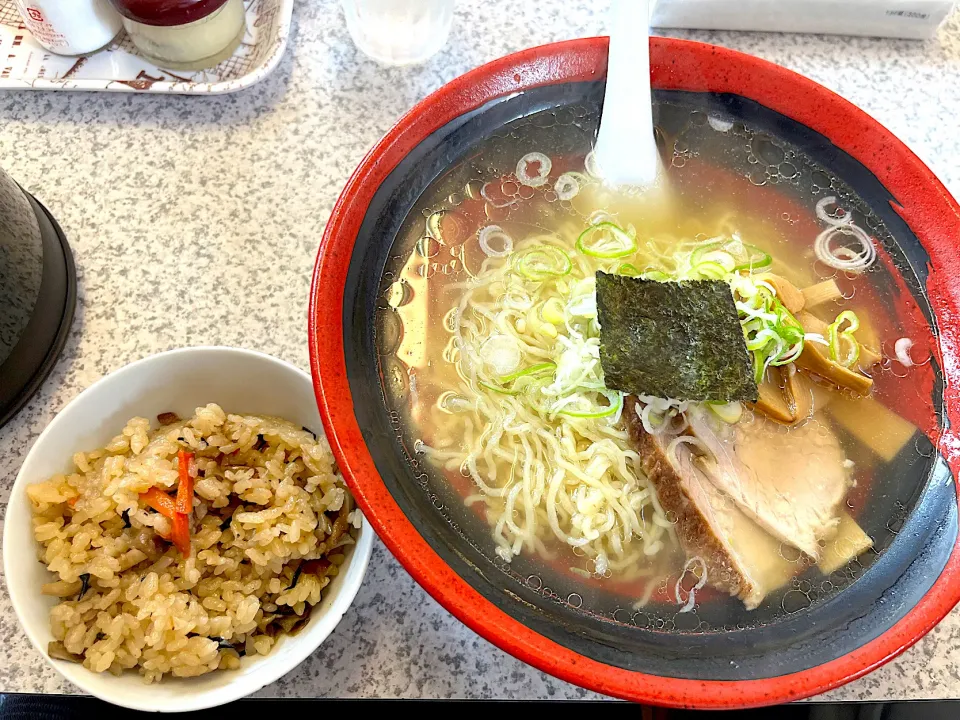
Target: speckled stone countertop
x: 196, y: 221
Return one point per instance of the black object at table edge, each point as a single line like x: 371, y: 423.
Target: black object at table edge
x: 41, y: 343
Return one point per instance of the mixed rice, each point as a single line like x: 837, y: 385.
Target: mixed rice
x: 145, y: 585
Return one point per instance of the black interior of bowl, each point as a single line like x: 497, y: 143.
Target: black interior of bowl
x: 914, y: 522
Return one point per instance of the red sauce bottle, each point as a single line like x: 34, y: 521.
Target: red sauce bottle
x: 166, y: 12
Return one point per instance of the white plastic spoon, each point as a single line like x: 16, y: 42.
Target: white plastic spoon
x: 626, y: 150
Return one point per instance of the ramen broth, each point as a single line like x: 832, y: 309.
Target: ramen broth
x: 566, y: 534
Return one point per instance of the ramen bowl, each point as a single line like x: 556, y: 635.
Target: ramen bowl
x: 818, y: 632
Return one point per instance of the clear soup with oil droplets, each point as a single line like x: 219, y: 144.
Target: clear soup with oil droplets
x: 668, y: 512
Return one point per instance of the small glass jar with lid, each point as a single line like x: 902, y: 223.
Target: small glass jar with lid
x: 184, y: 34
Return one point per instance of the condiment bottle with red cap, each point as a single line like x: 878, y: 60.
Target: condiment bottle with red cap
x: 183, y: 34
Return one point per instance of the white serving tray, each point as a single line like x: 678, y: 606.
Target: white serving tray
x: 26, y: 65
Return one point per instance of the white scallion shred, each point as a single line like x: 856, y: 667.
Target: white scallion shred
x: 487, y: 195
x: 719, y: 124
x: 566, y: 187
x: 697, y: 566
x: 835, y: 220
x: 591, y: 165
x: 494, y: 241
x: 902, y: 349
x: 533, y: 169
x: 843, y: 245
x: 730, y: 412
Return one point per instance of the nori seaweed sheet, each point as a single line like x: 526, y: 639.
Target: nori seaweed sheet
x: 679, y: 340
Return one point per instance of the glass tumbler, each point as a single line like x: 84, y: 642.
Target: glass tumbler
x: 399, y: 32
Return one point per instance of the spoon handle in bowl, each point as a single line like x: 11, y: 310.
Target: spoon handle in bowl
x: 626, y: 150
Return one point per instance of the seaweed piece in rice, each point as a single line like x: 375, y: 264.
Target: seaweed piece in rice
x: 341, y: 525
x: 311, y: 567
x: 261, y: 443
x: 306, y: 429
x: 84, y: 586
x: 288, y: 622
x: 126, y: 519
x: 316, y: 567
x: 231, y: 510
x: 299, y: 625
x: 679, y: 340
x: 223, y: 644
x: 296, y: 577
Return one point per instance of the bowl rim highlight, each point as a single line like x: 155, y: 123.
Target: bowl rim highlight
x: 181, y: 694
x: 923, y: 203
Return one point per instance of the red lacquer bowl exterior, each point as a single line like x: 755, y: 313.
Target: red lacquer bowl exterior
x: 923, y: 203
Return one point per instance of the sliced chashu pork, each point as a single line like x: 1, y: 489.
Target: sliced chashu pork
x: 739, y: 556
x: 791, y: 482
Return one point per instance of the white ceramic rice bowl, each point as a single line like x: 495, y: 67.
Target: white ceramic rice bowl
x: 240, y: 381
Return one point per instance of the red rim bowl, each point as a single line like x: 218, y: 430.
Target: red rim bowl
x: 922, y: 202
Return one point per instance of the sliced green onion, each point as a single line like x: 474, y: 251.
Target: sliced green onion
x: 656, y: 275
x: 697, y: 255
x: 497, y: 389
x: 730, y: 412
x: 532, y: 370
x: 850, y: 317
x: 759, y: 366
x: 756, y: 260
x: 606, y: 240
x: 709, y: 270
x: 568, y: 185
x: 708, y: 251
x: 787, y: 356
x: 761, y: 338
x: 542, y: 263
x: 744, y: 256
x: 552, y: 311
x: 632, y: 271
x: 835, y: 335
x: 772, y: 334
x: 718, y: 257
x: 528, y: 372
x: 616, y: 404
x: 790, y: 332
